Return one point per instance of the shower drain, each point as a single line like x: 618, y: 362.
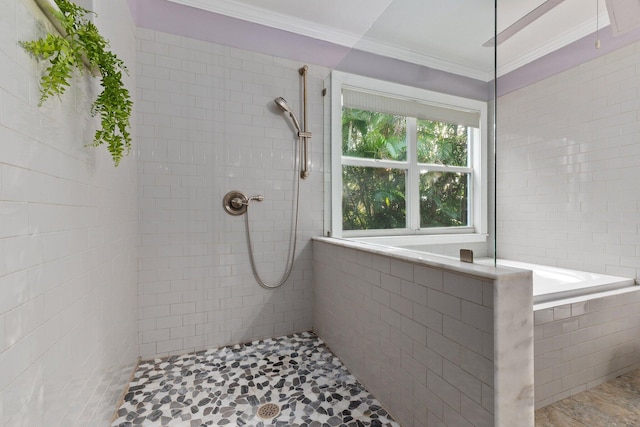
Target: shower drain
x: 268, y: 410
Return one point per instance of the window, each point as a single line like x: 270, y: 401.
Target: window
x: 405, y: 160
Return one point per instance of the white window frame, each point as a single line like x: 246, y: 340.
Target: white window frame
x: 477, y: 229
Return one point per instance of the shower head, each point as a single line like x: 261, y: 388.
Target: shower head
x: 280, y: 101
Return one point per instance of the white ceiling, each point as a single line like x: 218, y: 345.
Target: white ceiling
x: 442, y: 34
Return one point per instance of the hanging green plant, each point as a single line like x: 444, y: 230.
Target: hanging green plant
x: 80, y: 44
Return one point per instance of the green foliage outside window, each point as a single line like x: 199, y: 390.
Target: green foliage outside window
x: 443, y: 199
x: 442, y: 143
x: 375, y: 197
x: 443, y: 195
x: 373, y: 135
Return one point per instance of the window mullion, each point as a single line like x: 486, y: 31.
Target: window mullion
x: 413, y: 176
x: 373, y: 163
x: 426, y: 167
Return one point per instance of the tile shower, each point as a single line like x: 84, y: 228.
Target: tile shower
x: 207, y: 124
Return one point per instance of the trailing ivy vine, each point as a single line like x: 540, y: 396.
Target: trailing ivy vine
x: 64, y: 53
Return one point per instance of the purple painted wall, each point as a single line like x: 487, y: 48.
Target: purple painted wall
x: 562, y: 59
x: 165, y: 16
x: 397, y: 71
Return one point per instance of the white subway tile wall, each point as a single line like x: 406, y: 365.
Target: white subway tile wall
x: 567, y: 173
x: 420, y: 339
x: 208, y: 125
x: 595, y: 341
x: 68, y: 239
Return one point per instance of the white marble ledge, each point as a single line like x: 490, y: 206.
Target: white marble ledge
x: 432, y: 260
x: 582, y: 298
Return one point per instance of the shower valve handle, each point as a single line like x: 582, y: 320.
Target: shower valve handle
x: 239, y: 202
x: 235, y: 202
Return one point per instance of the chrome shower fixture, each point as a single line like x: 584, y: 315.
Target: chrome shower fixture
x: 235, y: 202
x: 282, y: 103
x: 303, y: 135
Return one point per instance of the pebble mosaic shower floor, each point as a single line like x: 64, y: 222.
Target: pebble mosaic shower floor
x: 232, y: 386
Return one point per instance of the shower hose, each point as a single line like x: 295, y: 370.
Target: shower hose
x: 292, y: 245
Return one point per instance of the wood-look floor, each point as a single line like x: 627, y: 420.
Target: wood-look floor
x: 613, y: 404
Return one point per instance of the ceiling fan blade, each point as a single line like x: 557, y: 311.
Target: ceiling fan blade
x: 624, y: 15
x: 527, y: 19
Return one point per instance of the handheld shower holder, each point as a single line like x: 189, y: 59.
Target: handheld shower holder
x: 303, y: 135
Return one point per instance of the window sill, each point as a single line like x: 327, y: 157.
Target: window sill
x: 424, y: 239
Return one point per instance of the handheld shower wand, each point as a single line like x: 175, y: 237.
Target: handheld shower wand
x: 282, y: 103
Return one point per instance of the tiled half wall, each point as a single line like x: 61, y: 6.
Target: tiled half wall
x: 437, y: 346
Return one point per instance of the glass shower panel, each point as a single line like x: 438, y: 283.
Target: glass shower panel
x: 567, y: 134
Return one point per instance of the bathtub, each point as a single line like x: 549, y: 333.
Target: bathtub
x: 554, y: 284
x: 551, y: 285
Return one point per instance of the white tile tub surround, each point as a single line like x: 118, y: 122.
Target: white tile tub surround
x: 567, y: 173
x: 68, y: 240
x: 208, y: 125
x: 568, y: 196
x: 581, y: 345
x: 439, y: 343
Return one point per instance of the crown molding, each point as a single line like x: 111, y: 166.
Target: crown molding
x: 554, y: 44
x: 403, y: 54
x: 330, y: 34
x: 275, y: 20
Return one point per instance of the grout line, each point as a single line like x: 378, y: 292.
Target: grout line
x: 125, y: 391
